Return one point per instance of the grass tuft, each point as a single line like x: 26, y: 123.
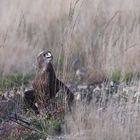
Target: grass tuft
x: 14, y: 80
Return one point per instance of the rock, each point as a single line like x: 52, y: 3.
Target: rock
x: 97, y: 93
x: 82, y: 87
x: 6, y: 108
x: 78, y: 96
x: 81, y: 73
x: 56, y: 138
x: 97, y: 89
x: 137, y: 96
x: 8, y: 95
x: 5, y: 130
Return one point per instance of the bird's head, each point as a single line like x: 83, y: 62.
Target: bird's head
x: 44, y: 58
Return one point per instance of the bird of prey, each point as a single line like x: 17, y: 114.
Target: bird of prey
x: 45, y: 84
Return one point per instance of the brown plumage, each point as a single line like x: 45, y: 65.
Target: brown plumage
x: 41, y: 82
x: 46, y: 85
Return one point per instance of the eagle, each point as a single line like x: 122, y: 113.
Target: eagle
x: 45, y: 84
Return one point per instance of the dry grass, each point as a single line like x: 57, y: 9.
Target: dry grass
x: 118, y: 121
x: 105, y: 34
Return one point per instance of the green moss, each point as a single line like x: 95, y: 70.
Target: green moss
x: 51, y: 126
x: 127, y: 77
x: 116, y: 75
x: 14, y: 80
x: 33, y: 136
x: 46, y: 123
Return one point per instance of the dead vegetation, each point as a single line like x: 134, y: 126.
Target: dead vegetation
x: 103, y: 35
x: 100, y: 37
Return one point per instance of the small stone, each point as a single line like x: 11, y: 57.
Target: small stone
x: 80, y: 87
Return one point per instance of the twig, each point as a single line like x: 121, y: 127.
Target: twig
x: 17, y: 119
x: 76, y: 19
x: 5, y: 38
x: 108, y: 23
x: 22, y: 19
x: 134, y: 45
x: 72, y: 8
